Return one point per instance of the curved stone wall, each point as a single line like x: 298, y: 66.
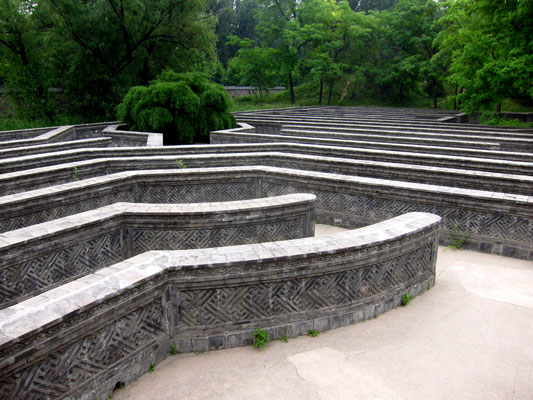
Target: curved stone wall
x: 82, y: 338
x: 43, y: 256
x: 31, y: 179
x: 350, y: 201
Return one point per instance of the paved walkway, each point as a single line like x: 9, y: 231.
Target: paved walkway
x: 469, y: 337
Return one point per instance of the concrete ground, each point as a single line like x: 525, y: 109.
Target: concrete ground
x: 469, y: 337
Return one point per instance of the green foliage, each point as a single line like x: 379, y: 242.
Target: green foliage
x: 173, y: 350
x: 180, y: 164
x: 151, y: 368
x: 456, y: 237
x: 406, y: 298
x: 184, y: 107
x: 261, y: 338
x: 491, y: 57
x: 285, y: 339
x: 312, y: 333
x: 78, y: 57
x: 75, y: 175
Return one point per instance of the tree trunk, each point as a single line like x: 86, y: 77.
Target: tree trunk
x: 291, y: 88
x: 455, y: 98
x: 499, y: 108
x: 401, y: 93
x: 434, y: 101
x: 330, y: 91
x: 320, y: 94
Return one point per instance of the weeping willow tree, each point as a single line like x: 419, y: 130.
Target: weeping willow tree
x: 184, y: 107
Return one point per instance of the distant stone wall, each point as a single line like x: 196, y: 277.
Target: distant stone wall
x: 64, y: 136
x: 42, y: 256
x: 489, y: 181
x: 350, y: 201
x: 240, y: 91
x: 122, y: 138
x: 80, y: 339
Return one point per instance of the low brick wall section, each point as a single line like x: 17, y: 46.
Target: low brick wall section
x: 496, y: 223
x: 435, y: 160
x: 54, y: 147
x: 42, y: 256
x: 80, y: 339
x: 51, y: 135
x: 45, y: 136
x: 32, y: 179
x: 228, y: 136
x: 21, y: 134
x: 123, y: 138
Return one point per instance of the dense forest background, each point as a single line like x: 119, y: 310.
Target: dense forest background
x: 76, y: 59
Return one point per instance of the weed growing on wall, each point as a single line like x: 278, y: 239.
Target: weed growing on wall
x: 456, y: 237
x: 261, y: 338
x: 406, y: 298
x: 180, y: 164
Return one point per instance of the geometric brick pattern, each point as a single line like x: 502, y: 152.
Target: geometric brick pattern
x: 52, y: 267
x: 145, y: 239
x: 47, y: 213
x: 207, y: 308
x: 80, y: 362
x: 194, y: 193
x: 372, y: 208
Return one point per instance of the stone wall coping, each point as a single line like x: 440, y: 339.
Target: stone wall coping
x: 37, y: 232
x: 426, y: 127
x: 153, y: 139
x: 109, y: 161
x: 390, y: 145
x: 34, y: 315
x: 89, y: 153
x: 43, y: 138
x: 451, y: 193
x: 96, y: 142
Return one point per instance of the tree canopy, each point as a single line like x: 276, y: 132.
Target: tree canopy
x: 80, y: 57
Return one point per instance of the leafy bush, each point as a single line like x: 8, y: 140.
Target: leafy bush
x: 184, y: 107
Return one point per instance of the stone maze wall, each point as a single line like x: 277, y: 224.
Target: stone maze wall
x: 498, y: 223
x: 42, y: 256
x: 93, y: 289
x: 82, y: 338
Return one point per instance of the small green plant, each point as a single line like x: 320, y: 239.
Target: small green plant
x: 312, y: 333
x: 406, y: 298
x: 151, y: 368
x: 261, y: 338
x: 76, y: 176
x: 173, y: 350
x: 285, y: 339
x: 456, y: 238
x: 180, y: 164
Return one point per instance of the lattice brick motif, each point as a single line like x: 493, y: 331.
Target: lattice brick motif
x: 211, y: 307
x: 205, y: 192
x: 66, y: 369
x: 491, y: 224
x: 145, y: 240
x: 58, y: 265
x: 62, y: 210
